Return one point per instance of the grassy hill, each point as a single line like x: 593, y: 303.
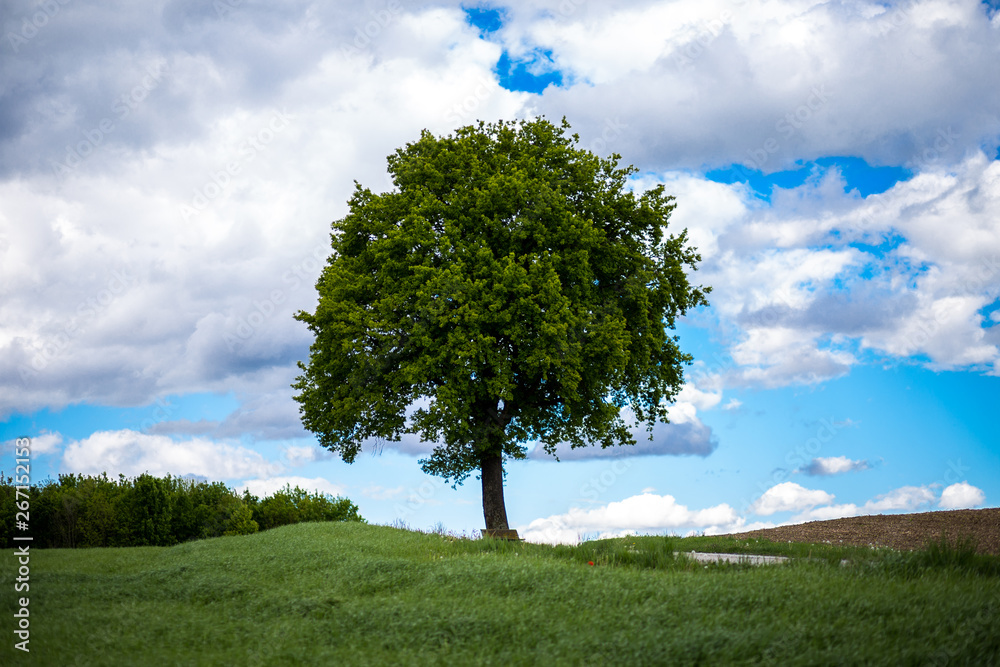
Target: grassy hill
x: 355, y: 594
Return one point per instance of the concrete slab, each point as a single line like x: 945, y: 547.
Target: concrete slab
x: 750, y: 559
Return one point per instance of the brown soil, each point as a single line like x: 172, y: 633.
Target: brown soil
x: 899, y: 531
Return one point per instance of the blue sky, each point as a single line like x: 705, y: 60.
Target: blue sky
x: 167, y: 184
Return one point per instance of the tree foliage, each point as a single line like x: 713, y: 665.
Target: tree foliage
x: 97, y: 511
x: 510, y: 288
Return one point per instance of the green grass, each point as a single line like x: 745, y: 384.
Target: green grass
x: 353, y: 594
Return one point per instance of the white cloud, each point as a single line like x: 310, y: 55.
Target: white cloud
x: 646, y: 513
x: 733, y: 404
x: 903, y: 499
x: 132, y: 453
x: 718, y: 84
x: 756, y: 290
x: 173, y: 323
x: 650, y: 513
x: 299, y: 456
x: 700, y: 400
x: 962, y: 496
x: 755, y: 525
x: 206, y: 303
x: 906, y: 498
x: 169, y: 317
x: 267, y: 486
x: 947, y: 218
x: 833, y: 465
x: 789, y: 291
x: 801, y: 361
x: 789, y: 496
x: 44, y: 443
x: 825, y: 513
x: 684, y: 435
x: 704, y: 208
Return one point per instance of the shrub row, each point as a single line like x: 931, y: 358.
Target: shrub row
x: 85, y: 511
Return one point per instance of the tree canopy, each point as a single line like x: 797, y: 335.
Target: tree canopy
x: 510, y: 288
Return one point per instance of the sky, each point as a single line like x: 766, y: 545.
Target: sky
x: 169, y: 172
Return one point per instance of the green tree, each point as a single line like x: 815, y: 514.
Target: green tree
x: 240, y: 521
x: 510, y: 288
x: 213, y: 506
x: 150, y: 512
x: 101, y: 523
x: 278, y: 509
x: 8, y: 510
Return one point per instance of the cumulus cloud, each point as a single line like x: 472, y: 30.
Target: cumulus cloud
x: 44, y: 443
x: 202, y: 302
x: 833, y: 465
x: 651, y: 513
x: 259, y: 120
x: 825, y: 513
x: 298, y: 456
x: 709, y: 82
x: 693, y: 395
x: 132, y: 453
x: 267, y: 486
x: 905, y: 498
x: 961, y: 496
x: 182, y: 427
x: 816, y: 505
x: 685, y: 435
x: 646, y: 513
x: 804, y: 284
x: 789, y: 496
x: 271, y: 416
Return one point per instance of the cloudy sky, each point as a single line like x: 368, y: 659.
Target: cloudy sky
x: 169, y: 172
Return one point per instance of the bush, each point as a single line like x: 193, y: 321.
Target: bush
x: 296, y: 506
x: 85, y: 511
x: 240, y: 521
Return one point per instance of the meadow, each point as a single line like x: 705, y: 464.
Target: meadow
x: 337, y: 593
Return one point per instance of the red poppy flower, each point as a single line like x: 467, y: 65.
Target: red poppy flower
x: 590, y: 562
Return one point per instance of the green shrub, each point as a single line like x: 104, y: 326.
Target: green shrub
x: 294, y: 505
x: 240, y: 521
x: 85, y: 511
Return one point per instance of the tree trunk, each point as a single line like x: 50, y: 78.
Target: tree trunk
x: 494, y: 509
